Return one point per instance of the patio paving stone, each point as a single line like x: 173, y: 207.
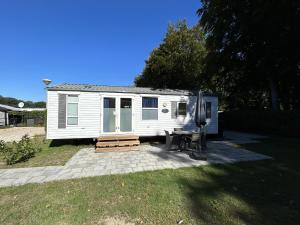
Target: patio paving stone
x: 87, y: 163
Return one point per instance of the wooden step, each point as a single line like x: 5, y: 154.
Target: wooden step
x: 118, y: 137
x: 117, y: 143
x: 117, y: 149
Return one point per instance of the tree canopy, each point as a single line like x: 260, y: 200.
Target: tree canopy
x: 27, y: 104
x: 253, y: 48
x: 248, y: 52
x: 178, y: 61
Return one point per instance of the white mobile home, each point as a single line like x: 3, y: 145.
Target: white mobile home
x: 90, y: 111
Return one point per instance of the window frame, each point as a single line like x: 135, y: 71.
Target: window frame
x: 177, y: 110
x: 67, y: 109
x: 150, y: 108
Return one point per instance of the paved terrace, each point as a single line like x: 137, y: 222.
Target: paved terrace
x: 87, y: 163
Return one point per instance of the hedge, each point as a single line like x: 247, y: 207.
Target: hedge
x: 285, y: 123
x: 38, y: 116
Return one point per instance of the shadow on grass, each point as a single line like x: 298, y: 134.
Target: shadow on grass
x: 246, y: 193
x: 75, y: 142
x: 263, y: 192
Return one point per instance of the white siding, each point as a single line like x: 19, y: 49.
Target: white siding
x: 90, y: 109
x: 2, y: 118
x: 212, y: 124
x: 165, y: 122
x: 88, y: 117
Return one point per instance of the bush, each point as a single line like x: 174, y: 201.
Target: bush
x: 21, y: 118
x: 285, y: 123
x: 18, y: 151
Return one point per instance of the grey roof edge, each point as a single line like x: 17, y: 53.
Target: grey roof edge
x: 9, y: 108
x: 123, y: 89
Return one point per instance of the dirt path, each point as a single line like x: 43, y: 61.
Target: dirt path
x: 16, y: 133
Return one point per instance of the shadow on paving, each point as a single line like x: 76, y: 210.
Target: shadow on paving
x: 174, y: 155
x: 217, y: 152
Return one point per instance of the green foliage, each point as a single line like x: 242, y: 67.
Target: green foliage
x: 40, y: 117
x: 2, y: 145
x: 18, y: 151
x: 178, y: 61
x: 285, y: 123
x: 29, y: 114
x: 253, y: 52
x: 27, y: 104
x: 53, y: 152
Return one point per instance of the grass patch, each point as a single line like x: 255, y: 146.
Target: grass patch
x: 264, y: 192
x: 53, y: 153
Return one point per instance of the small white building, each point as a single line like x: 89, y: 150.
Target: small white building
x: 89, y: 111
x: 4, y: 117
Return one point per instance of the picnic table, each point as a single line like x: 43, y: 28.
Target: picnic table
x: 182, y: 140
x: 184, y: 132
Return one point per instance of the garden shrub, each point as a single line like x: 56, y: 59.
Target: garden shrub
x: 20, y: 118
x: 2, y: 145
x: 285, y: 123
x: 19, y: 151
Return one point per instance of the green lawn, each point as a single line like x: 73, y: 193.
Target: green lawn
x: 262, y: 193
x: 53, y: 153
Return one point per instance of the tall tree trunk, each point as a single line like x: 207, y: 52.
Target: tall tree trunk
x: 285, y: 96
x: 274, y: 94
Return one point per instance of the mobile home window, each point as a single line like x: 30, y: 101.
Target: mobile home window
x: 149, y: 108
x: 208, y: 110
x: 72, y: 110
x: 181, y: 109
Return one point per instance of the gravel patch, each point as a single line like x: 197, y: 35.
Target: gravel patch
x: 16, y: 133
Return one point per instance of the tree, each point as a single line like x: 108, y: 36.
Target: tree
x: 14, y: 102
x: 178, y: 61
x: 253, y: 51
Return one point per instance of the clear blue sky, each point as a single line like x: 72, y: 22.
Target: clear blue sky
x: 86, y: 41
